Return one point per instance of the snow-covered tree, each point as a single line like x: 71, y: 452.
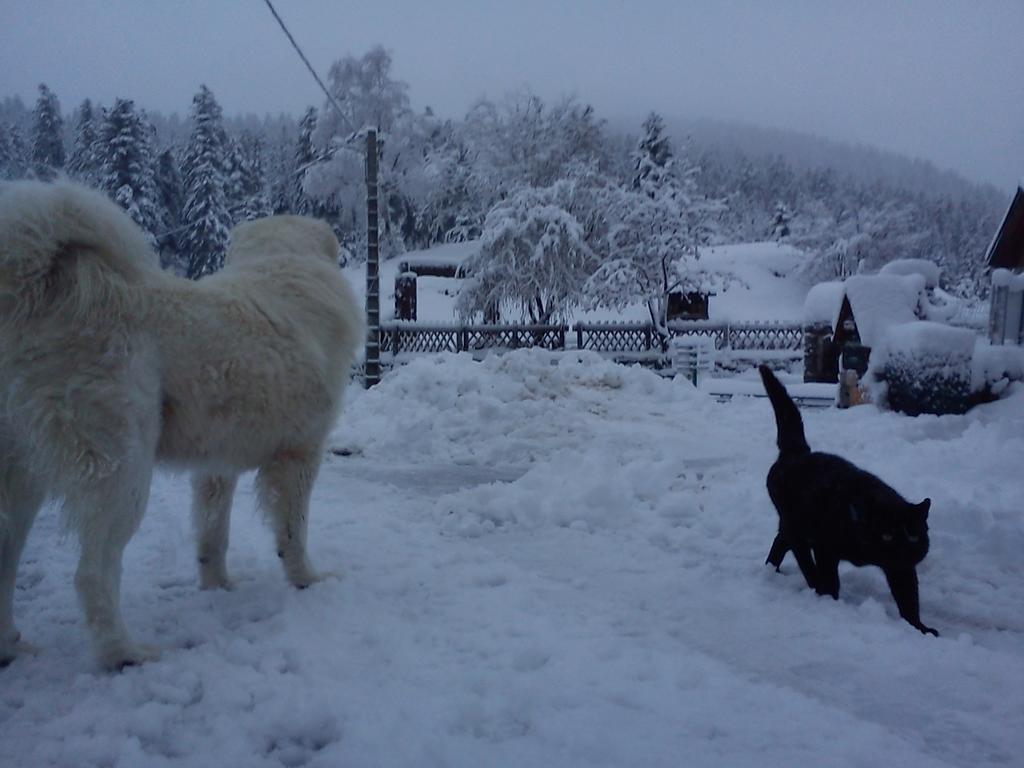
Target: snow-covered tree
x: 47, y: 135
x: 255, y: 201
x: 83, y: 163
x: 780, y: 221
x: 10, y: 164
x: 305, y: 155
x: 280, y: 171
x: 206, y: 221
x: 170, y: 196
x: 368, y: 96
x: 533, y: 258
x: 14, y: 160
x: 127, y: 165
x: 657, y: 228
x: 522, y: 141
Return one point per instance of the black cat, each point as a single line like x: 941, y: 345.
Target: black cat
x: 830, y: 510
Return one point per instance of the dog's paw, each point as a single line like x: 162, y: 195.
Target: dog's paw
x: 220, y: 581
x: 117, y: 658
x: 14, y: 648
x: 309, y: 577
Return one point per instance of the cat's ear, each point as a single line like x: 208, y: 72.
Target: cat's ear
x: 923, y: 507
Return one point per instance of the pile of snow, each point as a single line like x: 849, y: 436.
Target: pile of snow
x: 549, y: 561
x: 880, y: 302
x: 995, y: 366
x: 823, y: 302
x: 929, y: 270
x: 1004, y: 278
x: 761, y: 282
x: 924, y: 338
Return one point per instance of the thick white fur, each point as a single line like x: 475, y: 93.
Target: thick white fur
x: 109, y: 365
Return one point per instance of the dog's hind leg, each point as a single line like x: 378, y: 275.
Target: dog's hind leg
x: 20, y: 499
x: 284, y: 485
x: 107, y: 514
x: 211, y: 516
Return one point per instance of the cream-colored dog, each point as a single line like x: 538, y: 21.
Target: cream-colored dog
x: 109, y: 365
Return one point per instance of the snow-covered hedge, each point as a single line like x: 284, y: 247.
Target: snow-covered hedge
x: 923, y: 367
x: 995, y: 367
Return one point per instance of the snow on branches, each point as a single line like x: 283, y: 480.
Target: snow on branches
x: 533, y: 257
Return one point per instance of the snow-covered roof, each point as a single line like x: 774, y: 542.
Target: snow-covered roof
x: 929, y: 270
x: 762, y: 284
x: 823, y: 303
x: 882, y: 301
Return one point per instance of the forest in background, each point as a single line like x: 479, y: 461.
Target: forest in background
x: 570, y: 211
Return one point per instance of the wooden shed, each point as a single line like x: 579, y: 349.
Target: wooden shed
x: 862, y: 309
x: 1005, y: 258
x: 1007, y: 248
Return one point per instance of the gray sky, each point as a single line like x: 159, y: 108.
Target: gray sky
x: 930, y: 78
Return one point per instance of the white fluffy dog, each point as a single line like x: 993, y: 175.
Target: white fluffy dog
x: 109, y: 365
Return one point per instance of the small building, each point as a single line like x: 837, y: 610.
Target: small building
x: 821, y: 309
x: 1005, y: 258
x: 405, y: 282
x: 862, y: 309
x: 692, y: 305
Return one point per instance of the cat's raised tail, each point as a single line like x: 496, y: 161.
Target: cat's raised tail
x: 791, y: 438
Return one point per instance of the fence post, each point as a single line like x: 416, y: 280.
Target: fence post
x: 372, y: 375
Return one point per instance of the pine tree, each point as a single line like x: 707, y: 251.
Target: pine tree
x: 6, y: 152
x: 206, y: 220
x: 15, y: 162
x: 658, y: 226
x: 253, y: 180
x: 82, y: 163
x: 280, y: 174
x: 47, y: 136
x: 653, y: 158
x: 170, y: 196
x: 304, y: 157
x: 126, y: 165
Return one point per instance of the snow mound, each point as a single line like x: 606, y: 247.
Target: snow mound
x: 929, y: 270
x: 823, y: 303
x: 534, y: 398
x: 882, y: 301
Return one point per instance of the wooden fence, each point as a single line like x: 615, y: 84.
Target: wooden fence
x: 640, y: 337
x: 614, y: 338
x: 401, y: 337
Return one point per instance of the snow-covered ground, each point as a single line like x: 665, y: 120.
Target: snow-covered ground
x: 549, y: 560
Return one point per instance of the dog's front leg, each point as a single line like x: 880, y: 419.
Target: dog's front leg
x: 211, y: 517
x: 284, y: 485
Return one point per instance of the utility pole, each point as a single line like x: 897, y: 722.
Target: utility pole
x: 372, y: 365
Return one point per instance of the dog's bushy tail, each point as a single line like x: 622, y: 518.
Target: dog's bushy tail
x: 787, y: 416
x: 63, y: 241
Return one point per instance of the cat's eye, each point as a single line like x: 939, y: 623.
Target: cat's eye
x: 886, y: 537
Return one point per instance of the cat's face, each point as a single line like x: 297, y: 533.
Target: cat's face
x: 902, y: 536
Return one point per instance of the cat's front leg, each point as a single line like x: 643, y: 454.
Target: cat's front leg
x: 903, y: 585
x: 827, y: 567
x: 802, y: 553
x: 778, y: 551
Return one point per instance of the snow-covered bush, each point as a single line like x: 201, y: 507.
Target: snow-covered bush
x: 923, y: 367
x: 995, y: 366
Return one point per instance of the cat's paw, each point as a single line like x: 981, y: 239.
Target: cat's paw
x: 926, y: 630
